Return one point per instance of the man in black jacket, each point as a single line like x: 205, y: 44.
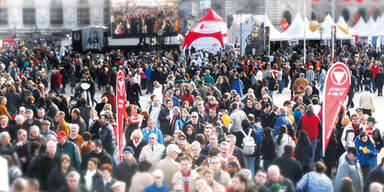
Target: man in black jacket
x: 98, y: 152
x: 126, y: 169
x: 165, y: 117
x: 289, y: 167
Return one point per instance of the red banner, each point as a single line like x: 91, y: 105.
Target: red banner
x: 337, y: 83
x: 120, y: 105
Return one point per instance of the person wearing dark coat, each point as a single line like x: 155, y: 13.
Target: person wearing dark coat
x: 56, y: 177
x: 45, y: 164
x: 136, y: 143
x: 164, y: 118
x: 127, y: 168
x: 72, y: 177
x: 376, y: 175
x: 105, y: 183
x: 92, y: 169
x: 303, y: 151
x: 98, y: 152
x: 289, y: 167
x: 85, y: 110
x: 379, y: 80
x: 268, y: 148
x: 13, y: 100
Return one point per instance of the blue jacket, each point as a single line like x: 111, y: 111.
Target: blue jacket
x: 259, y: 133
x: 148, y: 73
x: 175, y: 101
x: 156, y: 131
x: 239, y: 87
x: 366, y: 158
x: 107, y: 137
x: 315, y: 182
x: 154, y: 188
x: 281, y: 120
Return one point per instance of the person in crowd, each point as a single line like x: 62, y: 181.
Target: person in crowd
x: 73, y: 183
x: 153, y: 151
x: 62, y: 124
x: 347, y: 185
x: 168, y: 165
x: 106, y: 135
x: 260, y: 180
x: 77, y: 119
x: 56, y: 177
x: 349, y: 166
x: 367, y: 154
x: 97, y: 151
x: 221, y: 176
x: 303, y: 151
x: 376, y: 175
x: 268, y: 148
x: 75, y: 137
x: 289, y: 167
x: 137, y: 142
x: 322, y: 184
x: 159, y: 184
x: 127, y: 168
x: 366, y: 101
x: 67, y: 147
x: 351, y: 130
x: 151, y: 129
x: 283, y: 119
x: 91, y: 174
x: 107, y: 181
x: 284, y: 139
x: 142, y: 178
x: 274, y: 177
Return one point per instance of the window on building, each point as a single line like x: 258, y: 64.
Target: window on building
x: 4, y: 13
x: 107, y: 12
x: 56, y: 9
x: 29, y: 12
x: 83, y: 13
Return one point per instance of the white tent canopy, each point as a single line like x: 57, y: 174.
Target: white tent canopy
x: 341, y: 22
x: 274, y: 34
x: 298, y: 28
x: 360, y: 27
x: 379, y: 28
x: 327, y: 30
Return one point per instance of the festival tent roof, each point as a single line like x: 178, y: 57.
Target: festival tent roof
x: 360, y: 27
x: 298, y: 28
x: 327, y: 30
x: 209, y: 34
x: 341, y: 23
x: 379, y: 28
x: 274, y: 34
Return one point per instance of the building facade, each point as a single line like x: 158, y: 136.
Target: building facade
x: 51, y: 16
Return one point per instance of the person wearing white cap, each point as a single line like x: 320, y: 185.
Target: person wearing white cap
x: 168, y: 165
x: 118, y: 187
x: 159, y: 184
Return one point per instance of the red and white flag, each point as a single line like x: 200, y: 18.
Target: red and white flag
x: 120, y: 105
x: 337, y: 83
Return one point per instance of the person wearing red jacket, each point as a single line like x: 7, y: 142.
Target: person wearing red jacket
x: 375, y: 68
x: 56, y: 81
x: 111, y: 98
x: 310, y: 123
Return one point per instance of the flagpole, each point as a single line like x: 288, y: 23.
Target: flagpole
x: 241, y: 35
x: 334, y: 32
x: 305, y: 46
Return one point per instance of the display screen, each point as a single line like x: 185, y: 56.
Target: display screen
x: 144, y: 18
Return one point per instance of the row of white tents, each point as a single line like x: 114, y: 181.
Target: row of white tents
x: 301, y: 28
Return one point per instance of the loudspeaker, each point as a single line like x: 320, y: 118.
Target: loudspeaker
x: 77, y: 41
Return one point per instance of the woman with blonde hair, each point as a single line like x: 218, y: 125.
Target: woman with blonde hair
x: 137, y: 143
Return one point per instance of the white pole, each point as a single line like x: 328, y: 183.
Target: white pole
x: 334, y: 33
x: 305, y: 47
x: 241, y: 35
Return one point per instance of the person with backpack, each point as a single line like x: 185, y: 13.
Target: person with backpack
x: 248, y: 138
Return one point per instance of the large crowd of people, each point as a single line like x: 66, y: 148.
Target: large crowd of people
x: 132, y: 20
x: 212, y: 123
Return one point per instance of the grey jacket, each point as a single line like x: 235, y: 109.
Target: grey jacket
x: 351, y: 169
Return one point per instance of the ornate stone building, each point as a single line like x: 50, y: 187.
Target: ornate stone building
x: 50, y: 16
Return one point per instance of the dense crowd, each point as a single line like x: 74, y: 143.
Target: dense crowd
x: 211, y: 123
x: 137, y: 21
